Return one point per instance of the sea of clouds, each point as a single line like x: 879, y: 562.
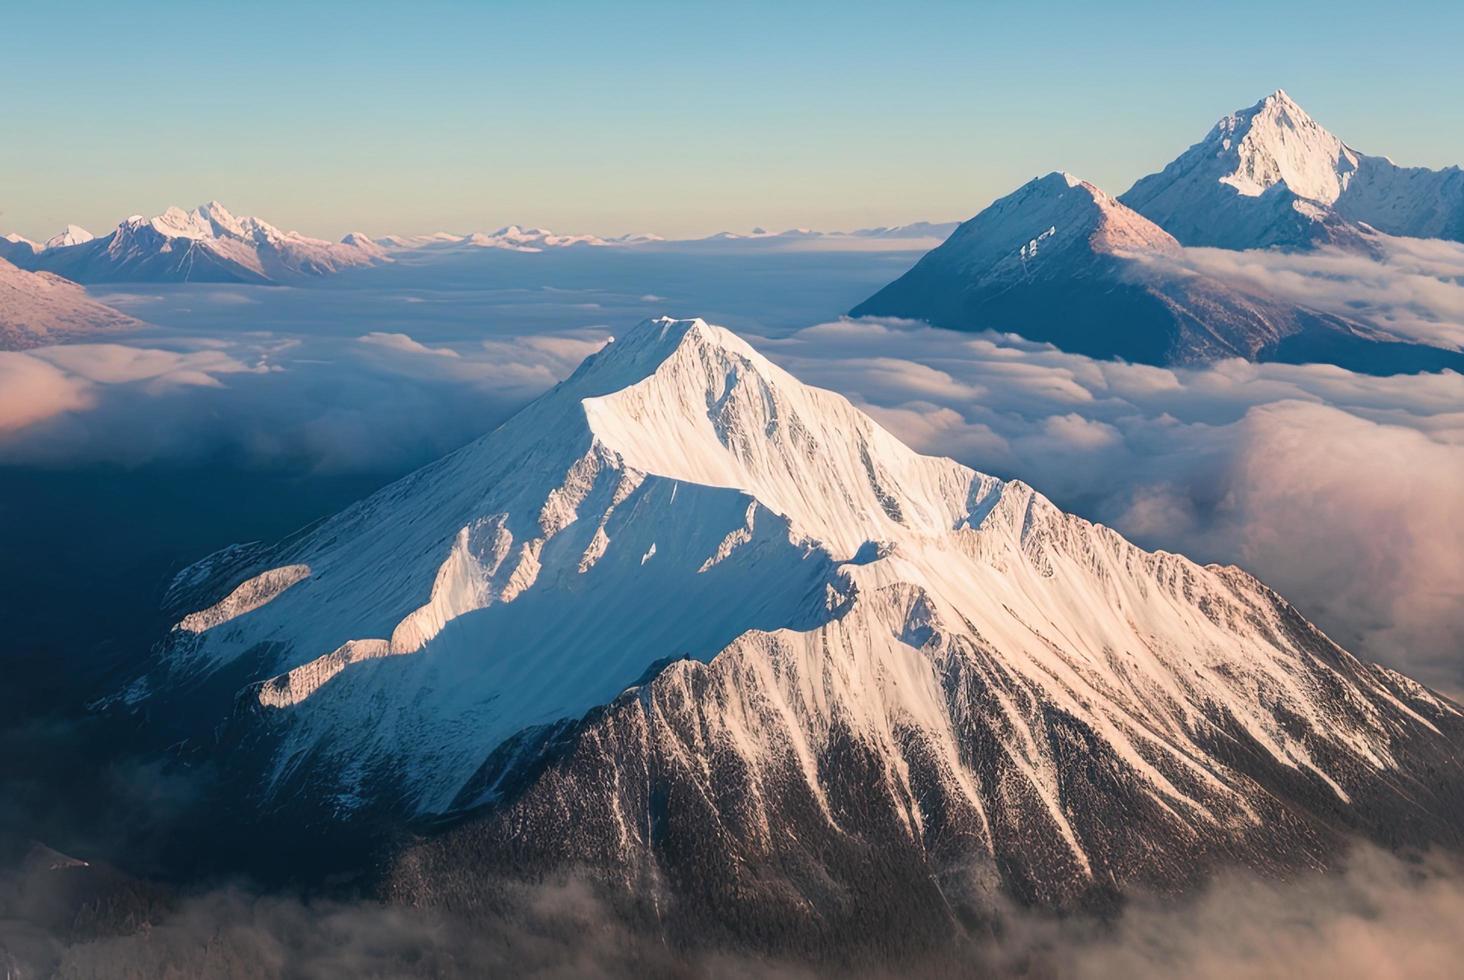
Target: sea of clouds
x: 1340, y: 490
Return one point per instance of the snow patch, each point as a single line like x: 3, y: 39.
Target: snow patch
x: 250, y: 595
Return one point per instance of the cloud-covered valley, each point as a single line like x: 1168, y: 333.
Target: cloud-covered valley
x: 1410, y: 287
x: 1340, y: 490
x: 380, y: 401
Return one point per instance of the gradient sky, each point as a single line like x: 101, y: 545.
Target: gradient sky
x: 678, y: 118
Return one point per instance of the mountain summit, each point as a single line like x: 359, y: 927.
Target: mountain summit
x: 1275, y: 141
x: 1270, y: 175
x: 713, y: 632
x: 68, y: 236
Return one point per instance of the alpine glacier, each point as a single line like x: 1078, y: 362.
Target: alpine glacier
x: 712, y: 632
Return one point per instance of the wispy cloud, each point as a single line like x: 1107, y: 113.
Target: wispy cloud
x: 1377, y: 916
x: 32, y: 390
x: 405, y: 344
x: 378, y: 402
x: 1412, y: 287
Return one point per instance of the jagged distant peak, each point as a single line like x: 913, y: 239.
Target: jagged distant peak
x: 68, y: 236
x: 211, y: 220
x: 215, y: 211
x: 511, y: 237
x: 1276, y: 141
x: 1266, y: 175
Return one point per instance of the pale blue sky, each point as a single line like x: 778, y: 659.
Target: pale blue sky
x: 669, y: 117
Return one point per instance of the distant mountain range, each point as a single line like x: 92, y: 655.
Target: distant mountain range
x: 1061, y: 261
x: 207, y: 244
x: 915, y: 231
x: 514, y: 238
x: 523, y: 239
x: 210, y: 244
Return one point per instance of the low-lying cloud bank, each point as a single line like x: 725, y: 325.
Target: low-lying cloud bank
x: 1340, y: 490
x: 1411, y: 287
x: 379, y: 402
x: 1377, y: 917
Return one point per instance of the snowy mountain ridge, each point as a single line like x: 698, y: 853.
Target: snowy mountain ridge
x: 207, y: 244
x: 38, y: 309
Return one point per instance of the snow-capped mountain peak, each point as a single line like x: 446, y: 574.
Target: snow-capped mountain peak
x: 174, y: 222
x: 715, y: 412
x: 207, y: 221
x: 70, y: 235
x: 1055, y: 219
x: 1275, y: 141
x: 1270, y: 175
